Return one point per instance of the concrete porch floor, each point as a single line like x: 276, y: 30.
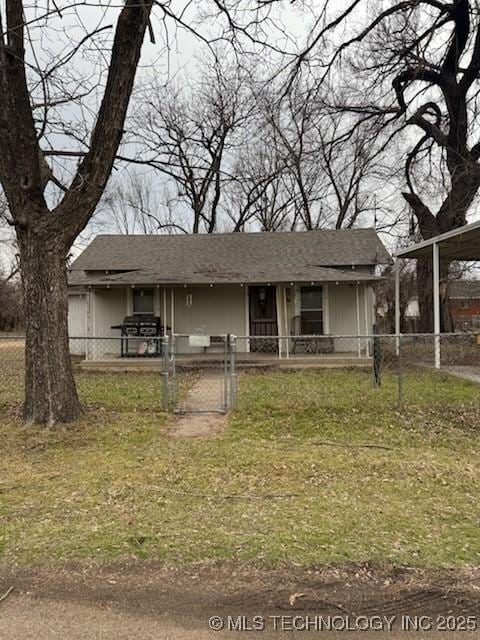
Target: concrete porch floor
x: 243, y: 361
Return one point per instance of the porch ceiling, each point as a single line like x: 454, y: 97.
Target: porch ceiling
x: 459, y: 244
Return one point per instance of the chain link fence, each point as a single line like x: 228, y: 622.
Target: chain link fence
x: 104, y: 378
x: 321, y: 348
x: 405, y: 369
x: 199, y: 373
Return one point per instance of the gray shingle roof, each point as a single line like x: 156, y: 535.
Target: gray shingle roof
x: 325, y: 255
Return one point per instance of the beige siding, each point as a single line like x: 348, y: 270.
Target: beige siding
x: 214, y: 310
x: 77, y: 322
x: 109, y: 307
x: 343, y: 314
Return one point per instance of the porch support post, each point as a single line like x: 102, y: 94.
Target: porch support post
x: 367, y: 327
x: 397, y: 305
x: 247, y: 318
x: 326, y: 308
x: 278, y: 300
x: 156, y: 301
x: 129, y: 296
x: 359, y: 342
x: 287, y: 332
x: 89, y: 327
x: 172, y: 310
x: 164, y: 319
x: 436, y: 303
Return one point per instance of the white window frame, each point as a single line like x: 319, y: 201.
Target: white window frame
x: 143, y: 313
x: 321, y: 309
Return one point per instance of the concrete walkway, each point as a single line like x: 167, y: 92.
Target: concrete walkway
x: 464, y: 372
x: 201, y: 412
x: 207, y: 394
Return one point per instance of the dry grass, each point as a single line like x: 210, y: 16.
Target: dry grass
x: 270, y: 488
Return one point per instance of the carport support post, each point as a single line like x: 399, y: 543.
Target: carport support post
x: 397, y: 306
x: 436, y: 303
x: 226, y: 364
x: 232, y: 349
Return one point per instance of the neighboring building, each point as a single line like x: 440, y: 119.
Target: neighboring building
x: 464, y: 298
x: 247, y: 284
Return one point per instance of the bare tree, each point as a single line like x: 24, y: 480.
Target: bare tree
x: 11, y: 316
x: 9, y: 267
x: 253, y: 196
x: 45, y: 233
x: 328, y: 167
x: 385, y: 299
x: 351, y: 171
x: 425, y: 83
x: 412, y: 66
x: 186, y: 133
x: 131, y: 205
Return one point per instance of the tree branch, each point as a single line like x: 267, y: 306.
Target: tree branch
x: 88, y: 184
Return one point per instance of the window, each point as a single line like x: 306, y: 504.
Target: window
x: 143, y: 302
x: 311, y: 311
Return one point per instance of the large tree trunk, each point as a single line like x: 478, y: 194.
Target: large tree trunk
x: 44, y: 234
x: 430, y: 227
x: 50, y: 393
x: 425, y: 296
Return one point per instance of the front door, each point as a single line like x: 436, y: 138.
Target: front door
x: 263, y: 316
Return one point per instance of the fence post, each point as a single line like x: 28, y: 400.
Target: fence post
x: 400, y: 371
x: 165, y: 373
x: 375, y: 350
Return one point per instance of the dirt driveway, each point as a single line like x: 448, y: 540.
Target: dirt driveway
x: 148, y: 601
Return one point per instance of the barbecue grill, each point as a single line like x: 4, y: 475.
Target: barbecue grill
x: 137, y: 333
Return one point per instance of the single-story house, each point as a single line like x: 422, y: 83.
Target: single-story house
x: 246, y: 284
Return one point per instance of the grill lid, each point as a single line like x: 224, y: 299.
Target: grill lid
x: 141, y: 320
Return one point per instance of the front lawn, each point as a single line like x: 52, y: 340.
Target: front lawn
x: 314, y: 467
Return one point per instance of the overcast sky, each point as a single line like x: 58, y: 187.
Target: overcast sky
x: 175, y: 53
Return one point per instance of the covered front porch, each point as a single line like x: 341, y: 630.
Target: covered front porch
x: 272, y: 321
x: 244, y: 361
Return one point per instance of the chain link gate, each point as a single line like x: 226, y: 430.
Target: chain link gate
x: 199, y: 373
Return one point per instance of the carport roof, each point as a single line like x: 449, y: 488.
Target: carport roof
x: 458, y: 244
